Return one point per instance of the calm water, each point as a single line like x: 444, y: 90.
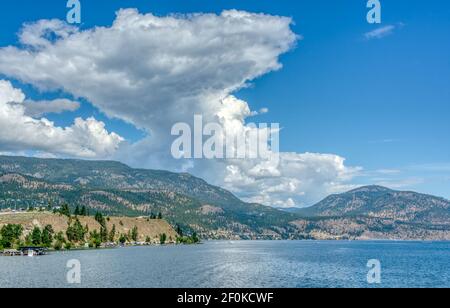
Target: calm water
x: 239, y: 264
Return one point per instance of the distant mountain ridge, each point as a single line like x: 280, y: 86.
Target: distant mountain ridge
x: 376, y: 212
x: 385, y: 203
x: 371, y: 212
x: 117, y: 189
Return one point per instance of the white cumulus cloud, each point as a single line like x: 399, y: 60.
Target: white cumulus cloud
x: 20, y: 132
x: 155, y: 71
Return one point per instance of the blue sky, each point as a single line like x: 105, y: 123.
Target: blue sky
x: 383, y: 103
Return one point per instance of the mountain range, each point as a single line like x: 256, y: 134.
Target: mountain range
x: 384, y: 203
x: 113, y: 188
x: 375, y: 212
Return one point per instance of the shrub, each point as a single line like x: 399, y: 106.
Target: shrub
x: 58, y: 245
x: 95, y: 239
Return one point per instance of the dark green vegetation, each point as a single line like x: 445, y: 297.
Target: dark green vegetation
x: 73, y: 231
x: 210, y: 212
x: 9, y: 235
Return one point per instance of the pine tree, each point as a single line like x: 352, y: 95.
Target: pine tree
x: 162, y: 239
x: 134, y: 234
x: 10, y: 234
x: 36, y: 236
x: 47, y: 236
x: 76, y: 232
x: 195, y: 238
x: 112, y: 234
x: 99, y: 218
x: 103, y: 234
x: 65, y: 210
x: 179, y: 230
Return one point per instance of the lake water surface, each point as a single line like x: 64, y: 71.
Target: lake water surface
x: 239, y: 264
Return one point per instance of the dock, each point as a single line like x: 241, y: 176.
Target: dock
x: 24, y: 251
x: 10, y: 253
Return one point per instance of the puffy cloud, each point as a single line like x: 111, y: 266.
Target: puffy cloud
x: 19, y: 132
x: 298, y: 179
x: 39, y: 34
x: 145, y: 68
x: 156, y: 71
x: 40, y: 108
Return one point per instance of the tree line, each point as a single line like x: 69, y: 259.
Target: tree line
x: 79, y: 235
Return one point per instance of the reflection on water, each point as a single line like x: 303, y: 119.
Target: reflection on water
x: 239, y: 264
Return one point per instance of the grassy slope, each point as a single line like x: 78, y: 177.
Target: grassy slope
x: 152, y: 228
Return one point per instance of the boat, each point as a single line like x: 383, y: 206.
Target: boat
x: 33, y: 251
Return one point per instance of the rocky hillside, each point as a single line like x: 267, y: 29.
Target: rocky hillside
x: 384, y: 203
x: 367, y: 228
x: 375, y: 212
x: 116, y: 189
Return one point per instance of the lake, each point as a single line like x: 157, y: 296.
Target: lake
x: 297, y: 264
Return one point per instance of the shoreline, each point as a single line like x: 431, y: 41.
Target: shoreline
x: 51, y: 250
x: 231, y: 242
